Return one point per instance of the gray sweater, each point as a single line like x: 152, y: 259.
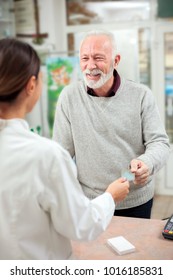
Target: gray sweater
x: 105, y: 133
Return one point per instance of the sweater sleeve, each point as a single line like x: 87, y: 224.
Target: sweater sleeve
x: 155, y: 139
x: 72, y: 213
x: 62, y: 128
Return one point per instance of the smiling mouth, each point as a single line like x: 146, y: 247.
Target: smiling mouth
x: 93, y: 76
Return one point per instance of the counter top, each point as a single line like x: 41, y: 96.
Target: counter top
x: 144, y: 234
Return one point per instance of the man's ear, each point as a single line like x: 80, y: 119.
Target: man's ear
x: 117, y: 60
x: 30, y: 87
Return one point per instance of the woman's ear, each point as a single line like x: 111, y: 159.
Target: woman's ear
x: 31, y: 85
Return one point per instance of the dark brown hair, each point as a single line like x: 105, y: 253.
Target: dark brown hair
x: 18, y: 63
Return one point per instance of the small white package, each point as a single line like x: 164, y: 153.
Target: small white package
x: 121, y: 245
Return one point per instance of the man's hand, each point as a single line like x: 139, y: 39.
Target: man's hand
x: 141, y: 171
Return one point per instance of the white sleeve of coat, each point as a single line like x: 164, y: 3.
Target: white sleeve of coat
x: 73, y: 215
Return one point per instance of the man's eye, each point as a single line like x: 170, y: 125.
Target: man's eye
x: 99, y: 58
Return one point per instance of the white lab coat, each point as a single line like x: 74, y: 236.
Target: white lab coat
x: 42, y: 205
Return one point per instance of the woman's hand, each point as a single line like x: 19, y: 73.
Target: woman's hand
x: 119, y: 189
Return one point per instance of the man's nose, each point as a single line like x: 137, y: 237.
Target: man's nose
x: 91, y: 64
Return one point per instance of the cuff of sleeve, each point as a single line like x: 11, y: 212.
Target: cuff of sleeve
x: 111, y: 200
x: 107, y: 200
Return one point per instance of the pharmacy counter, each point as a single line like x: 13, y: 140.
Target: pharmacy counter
x: 144, y: 234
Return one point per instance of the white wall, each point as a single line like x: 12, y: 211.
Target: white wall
x: 53, y: 21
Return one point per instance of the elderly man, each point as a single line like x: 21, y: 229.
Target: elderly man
x: 110, y: 124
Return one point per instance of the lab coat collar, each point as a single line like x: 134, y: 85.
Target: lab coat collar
x: 13, y: 122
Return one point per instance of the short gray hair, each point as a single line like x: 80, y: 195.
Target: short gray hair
x: 100, y: 32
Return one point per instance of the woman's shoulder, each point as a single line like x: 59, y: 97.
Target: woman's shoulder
x: 45, y: 143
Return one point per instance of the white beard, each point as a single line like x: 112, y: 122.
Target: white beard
x: 102, y: 80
